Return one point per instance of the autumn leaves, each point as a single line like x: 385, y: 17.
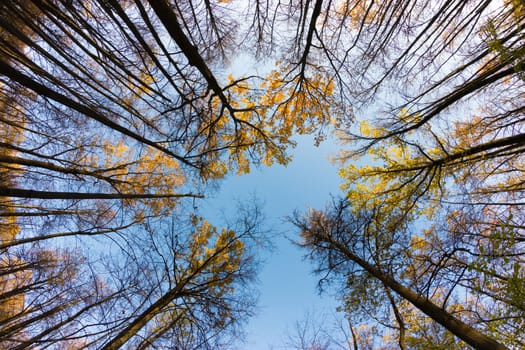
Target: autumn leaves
x: 117, y: 115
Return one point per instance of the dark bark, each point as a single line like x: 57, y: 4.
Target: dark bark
x: 19, y: 77
x: 457, y: 327
x: 22, y: 193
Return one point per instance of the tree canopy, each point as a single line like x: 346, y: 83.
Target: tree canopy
x: 433, y: 184
x: 117, y: 117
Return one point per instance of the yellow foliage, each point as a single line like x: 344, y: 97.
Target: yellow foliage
x: 418, y: 243
x: 391, y: 181
x: 370, y: 131
x: 358, y: 12
x: 216, y: 254
x: 9, y: 229
x: 300, y: 103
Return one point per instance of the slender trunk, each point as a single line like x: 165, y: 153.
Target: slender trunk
x: 399, y: 319
x: 177, y: 291
x: 22, y: 193
x: 171, y: 23
x: 15, y: 242
x: 457, y: 327
x: 118, y: 341
x: 354, y: 336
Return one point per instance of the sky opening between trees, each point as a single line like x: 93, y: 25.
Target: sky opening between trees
x: 119, y: 117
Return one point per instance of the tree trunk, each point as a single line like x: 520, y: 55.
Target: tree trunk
x: 457, y: 327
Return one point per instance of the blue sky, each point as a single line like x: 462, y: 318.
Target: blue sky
x: 286, y: 284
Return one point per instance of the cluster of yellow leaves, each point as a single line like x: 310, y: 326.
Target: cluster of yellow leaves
x: 411, y: 176
x: 501, y: 176
x: 59, y: 268
x: 375, y: 131
x: 146, y: 171
x: 257, y: 123
x: 216, y: 254
x: 358, y: 12
x: 469, y: 132
x: 129, y: 170
x: 9, y: 282
x: 299, y: 104
x: 394, y: 183
x: 517, y: 9
x: 236, y: 127
x: 9, y: 228
x: 264, y: 120
x: 11, y: 133
x: 413, y: 173
x: 212, y: 261
x: 368, y: 130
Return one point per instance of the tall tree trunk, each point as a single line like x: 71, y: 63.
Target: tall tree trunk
x: 132, y: 328
x: 23, y: 193
x: 462, y: 330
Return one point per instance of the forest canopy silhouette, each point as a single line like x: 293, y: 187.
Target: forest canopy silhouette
x: 117, y: 118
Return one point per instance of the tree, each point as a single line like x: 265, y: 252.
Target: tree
x: 117, y: 115
x: 201, y: 293
x: 321, y: 331
x: 176, y: 289
x: 438, y: 206
x: 351, y: 247
x: 107, y: 109
x: 106, y: 124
